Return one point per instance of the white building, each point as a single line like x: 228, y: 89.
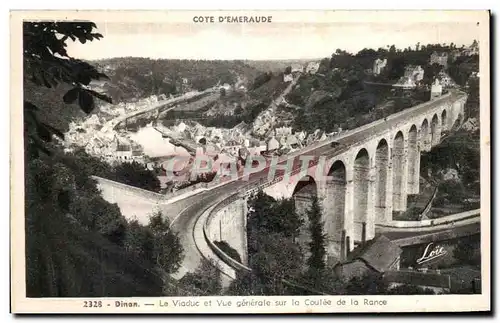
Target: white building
x: 287, y: 78
x: 406, y: 83
x: 414, y: 72
x: 436, y: 89
x: 379, y: 65
x: 272, y: 144
x: 312, y: 67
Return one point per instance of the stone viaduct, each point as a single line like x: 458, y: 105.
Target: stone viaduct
x: 369, y: 177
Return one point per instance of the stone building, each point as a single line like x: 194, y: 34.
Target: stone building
x: 376, y: 256
x: 312, y: 67
x: 379, y: 65
x: 414, y: 72
x: 436, y: 89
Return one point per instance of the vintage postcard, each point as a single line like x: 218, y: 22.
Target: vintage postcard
x: 250, y: 161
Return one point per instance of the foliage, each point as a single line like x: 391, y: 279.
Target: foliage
x: 410, y: 290
x: 47, y: 64
x: 168, y: 251
x: 205, y: 281
x: 132, y: 77
x: 74, y: 240
x: 278, y: 258
x: 77, y: 244
x: 132, y: 173
x: 317, y: 245
x: 261, y: 80
x: 466, y: 251
x: 271, y: 216
x: 368, y: 284
x: 459, y: 151
x: 136, y: 174
x: 272, y: 227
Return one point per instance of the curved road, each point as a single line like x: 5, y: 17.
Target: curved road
x: 190, y: 208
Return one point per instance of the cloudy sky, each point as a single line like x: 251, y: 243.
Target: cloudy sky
x: 278, y: 40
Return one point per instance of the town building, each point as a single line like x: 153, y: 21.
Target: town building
x: 375, y: 257
x: 379, y: 65
x: 297, y: 68
x: 287, y: 78
x: 436, y: 89
x: 405, y: 83
x: 445, y: 80
x: 231, y: 147
x: 414, y: 72
x: 312, y: 67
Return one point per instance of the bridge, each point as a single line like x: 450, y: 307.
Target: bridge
x: 369, y: 174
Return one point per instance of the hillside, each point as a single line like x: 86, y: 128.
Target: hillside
x: 345, y: 93
x: 277, y: 65
x: 133, y: 77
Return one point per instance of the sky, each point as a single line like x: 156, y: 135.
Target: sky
x: 280, y: 40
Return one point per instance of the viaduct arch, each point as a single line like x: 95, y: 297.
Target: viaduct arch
x: 373, y: 176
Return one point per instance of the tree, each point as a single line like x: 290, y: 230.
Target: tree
x: 46, y: 63
x: 466, y: 250
x: 168, y: 251
x: 317, y: 245
x: 368, y: 284
x: 205, y: 281
x: 76, y: 243
x: 278, y: 258
x: 135, y: 174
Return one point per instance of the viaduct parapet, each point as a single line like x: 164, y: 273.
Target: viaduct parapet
x: 359, y: 182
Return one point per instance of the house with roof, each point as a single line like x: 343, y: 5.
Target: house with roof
x: 375, y: 256
x: 231, y: 147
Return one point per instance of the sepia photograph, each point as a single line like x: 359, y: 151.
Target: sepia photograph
x: 257, y: 161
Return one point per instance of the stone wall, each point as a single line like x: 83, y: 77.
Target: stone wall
x: 227, y: 222
x: 134, y: 203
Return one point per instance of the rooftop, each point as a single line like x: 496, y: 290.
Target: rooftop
x: 378, y: 253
